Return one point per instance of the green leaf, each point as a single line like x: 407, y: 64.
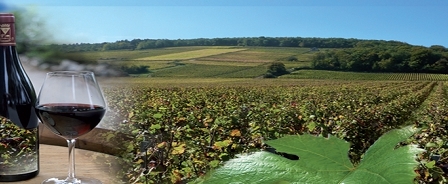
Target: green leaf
x: 178, y: 149
x: 430, y: 164
x: 222, y: 144
x: 324, y: 160
x: 311, y: 125
x: 384, y: 163
x: 155, y: 127
x: 157, y: 116
x: 430, y: 145
x: 214, y: 163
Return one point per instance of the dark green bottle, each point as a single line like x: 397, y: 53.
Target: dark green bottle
x: 19, y: 135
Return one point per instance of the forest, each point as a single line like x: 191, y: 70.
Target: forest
x: 342, y: 54
x: 384, y: 59
x: 140, y: 44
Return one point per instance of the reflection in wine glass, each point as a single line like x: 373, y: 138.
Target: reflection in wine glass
x: 70, y: 104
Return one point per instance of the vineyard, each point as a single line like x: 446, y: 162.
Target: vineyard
x: 179, y: 132
x: 327, y: 74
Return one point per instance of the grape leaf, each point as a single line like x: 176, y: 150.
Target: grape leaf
x: 323, y: 160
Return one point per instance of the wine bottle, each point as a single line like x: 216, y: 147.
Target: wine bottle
x: 19, y: 135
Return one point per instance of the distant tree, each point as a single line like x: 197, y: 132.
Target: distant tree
x: 420, y: 58
x: 441, y: 66
x: 289, y: 42
x: 147, y: 44
x: 135, y: 42
x: 277, y: 69
x: 161, y: 43
x: 438, y: 48
x: 319, y: 61
x: 107, y: 46
x: 124, y: 45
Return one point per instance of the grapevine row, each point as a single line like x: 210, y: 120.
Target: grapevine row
x: 432, y: 118
x: 180, y: 133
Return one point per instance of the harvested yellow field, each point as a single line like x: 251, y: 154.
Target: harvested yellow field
x: 187, y: 55
x: 221, y: 63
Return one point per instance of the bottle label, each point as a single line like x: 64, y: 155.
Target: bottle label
x: 18, y: 149
x: 7, y: 37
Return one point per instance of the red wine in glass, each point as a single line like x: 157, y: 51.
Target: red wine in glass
x: 70, y: 120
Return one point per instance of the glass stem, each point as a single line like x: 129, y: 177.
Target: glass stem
x: 71, y: 161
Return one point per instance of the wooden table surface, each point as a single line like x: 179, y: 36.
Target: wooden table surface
x: 54, y: 162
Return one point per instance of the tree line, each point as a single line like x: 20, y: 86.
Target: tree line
x: 140, y: 44
x: 384, y: 58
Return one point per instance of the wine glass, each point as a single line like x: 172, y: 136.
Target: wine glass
x: 70, y: 104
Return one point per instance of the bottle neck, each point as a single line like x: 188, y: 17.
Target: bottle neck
x: 7, y: 34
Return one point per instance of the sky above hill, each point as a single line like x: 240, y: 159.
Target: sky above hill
x: 416, y: 22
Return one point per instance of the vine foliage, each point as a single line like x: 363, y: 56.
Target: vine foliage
x: 324, y: 160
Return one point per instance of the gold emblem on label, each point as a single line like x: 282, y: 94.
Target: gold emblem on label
x: 5, y: 34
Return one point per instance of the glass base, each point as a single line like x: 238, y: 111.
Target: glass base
x: 77, y: 180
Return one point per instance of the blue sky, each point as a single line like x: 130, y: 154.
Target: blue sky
x: 417, y: 22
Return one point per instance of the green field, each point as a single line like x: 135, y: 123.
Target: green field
x: 234, y: 62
